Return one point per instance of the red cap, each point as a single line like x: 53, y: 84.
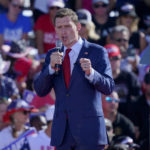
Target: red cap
x: 16, y: 106
x: 22, y: 67
x: 113, y: 50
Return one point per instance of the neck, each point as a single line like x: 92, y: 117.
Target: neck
x: 112, y: 116
x: 72, y: 43
x: 52, y: 18
x: 12, y: 17
x: 19, y: 127
x: 115, y: 73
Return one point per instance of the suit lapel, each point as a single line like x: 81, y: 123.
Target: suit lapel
x: 83, y: 54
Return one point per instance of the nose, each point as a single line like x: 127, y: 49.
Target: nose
x: 63, y: 30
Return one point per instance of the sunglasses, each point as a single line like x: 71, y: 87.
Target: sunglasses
x: 26, y: 112
x: 54, y: 7
x: 83, y: 25
x: 110, y: 99
x: 121, y: 40
x: 98, y: 5
x: 17, y: 6
x: 114, y: 58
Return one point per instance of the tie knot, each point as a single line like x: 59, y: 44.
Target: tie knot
x: 68, y: 51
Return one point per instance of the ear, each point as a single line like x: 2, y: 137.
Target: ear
x: 78, y: 26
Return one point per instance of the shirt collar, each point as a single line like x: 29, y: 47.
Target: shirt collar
x: 76, y: 47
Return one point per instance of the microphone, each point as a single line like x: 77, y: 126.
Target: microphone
x: 58, y: 47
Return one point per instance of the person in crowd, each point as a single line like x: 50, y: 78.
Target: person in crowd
x: 85, y: 73
x: 88, y: 28
x: 3, y: 108
x: 18, y: 54
x: 88, y: 5
x: 18, y: 115
x: 145, y: 27
x: 44, y: 27
x: 14, y: 26
x: 126, y: 83
x: 8, y: 87
x: 101, y: 19
x: 119, y: 35
x: 129, y: 18
x: 43, y: 138
x: 141, y: 114
x: 39, y: 8
x: 38, y: 122
x: 122, y: 126
x: 127, y: 141
x: 42, y: 102
x: 109, y: 128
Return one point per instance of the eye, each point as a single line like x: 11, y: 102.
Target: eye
x: 67, y: 26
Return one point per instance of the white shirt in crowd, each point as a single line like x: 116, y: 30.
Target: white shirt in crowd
x: 40, y: 141
x: 6, y: 139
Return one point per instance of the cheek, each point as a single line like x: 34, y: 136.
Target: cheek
x: 83, y: 30
x: 101, y: 11
x: 114, y: 64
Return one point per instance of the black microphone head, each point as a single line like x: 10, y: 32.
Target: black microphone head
x: 58, y: 44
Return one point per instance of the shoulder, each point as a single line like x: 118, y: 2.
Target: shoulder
x: 96, y: 50
x: 125, y: 120
x: 130, y: 75
x: 43, y: 17
x: 6, y: 132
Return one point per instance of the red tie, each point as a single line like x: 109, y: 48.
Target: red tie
x: 66, y: 67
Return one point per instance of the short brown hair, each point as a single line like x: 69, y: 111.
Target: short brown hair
x: 63, y: 12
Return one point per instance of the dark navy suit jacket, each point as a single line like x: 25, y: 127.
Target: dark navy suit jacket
x: 82, y: 100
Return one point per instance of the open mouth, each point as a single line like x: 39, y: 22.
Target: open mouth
x: 64, y: 38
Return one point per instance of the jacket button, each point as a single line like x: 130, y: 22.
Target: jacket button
x: 67, y: 94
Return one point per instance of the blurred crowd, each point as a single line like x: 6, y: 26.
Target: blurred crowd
x: 27, y: 32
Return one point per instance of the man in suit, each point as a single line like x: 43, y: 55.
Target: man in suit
x: 78, y: 119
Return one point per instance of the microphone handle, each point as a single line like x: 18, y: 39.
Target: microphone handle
x: 57, y: 66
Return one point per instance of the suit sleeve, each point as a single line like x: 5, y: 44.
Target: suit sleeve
x: 103, y: 80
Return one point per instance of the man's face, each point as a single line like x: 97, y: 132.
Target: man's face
x: 121, y: 39
x: 110, y: 102
x: 67, y: 31
x: 127, y: 20
x: 16, y: 6
x: 53, y: 10
x: 115, y: 63
x: 100, y: 8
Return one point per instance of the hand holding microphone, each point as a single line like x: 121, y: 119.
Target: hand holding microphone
x: 56, y: 57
